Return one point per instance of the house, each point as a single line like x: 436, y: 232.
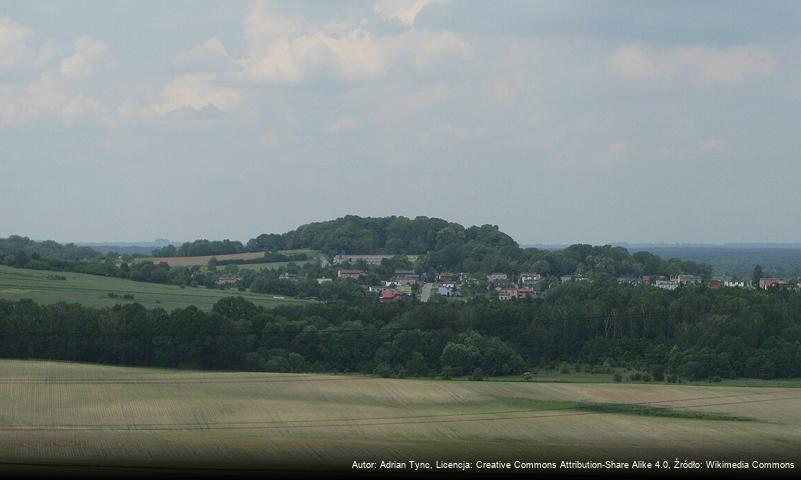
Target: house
x: 530, y: 280
x: 666, y: 284
x: 465, y: 277
x: 716, y: 283
x: 498, y: 280
x: 446, y: 277
x: 343, y: 259
x: 391, y: 295
x: 630, y: 281
x: 649, y: 279
x: 321, y: 281
x: 292, y: 277
x: 349, y: 273
x: 228, y: 279
x: 507, y: 293
x: 566, y: 278
x: 766, y: 283
x: 684, y: 279
x: 522, y: 293
x: 736, y: 283
x: 405, y: 277
x: 445, y: 290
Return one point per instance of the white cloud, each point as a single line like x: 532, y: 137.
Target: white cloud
x: 19, y: 50
x: 287, y: 49
x: 405, y: 11
x: 196, y: 91
x: 706, y: 64
x: 46, y: 99
x: 209, y: 55
x: 81, y: 63
x: 15, y: 43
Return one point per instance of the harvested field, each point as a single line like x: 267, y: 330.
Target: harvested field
x: 204, y: 260
x: 63, y: 412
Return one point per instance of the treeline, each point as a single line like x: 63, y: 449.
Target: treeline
x: 689, y: 333
x: 200, y: 248
x: 269, y: 257
x: 27, y: 248
x: 451, y: 246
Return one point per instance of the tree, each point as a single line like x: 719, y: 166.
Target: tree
x: 756, y: 275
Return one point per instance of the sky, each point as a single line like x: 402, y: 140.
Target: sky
x: 561, y: 121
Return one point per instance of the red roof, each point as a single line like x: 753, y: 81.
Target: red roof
x: 390, y: 293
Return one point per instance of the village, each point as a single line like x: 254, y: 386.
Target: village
x: 408, y: 283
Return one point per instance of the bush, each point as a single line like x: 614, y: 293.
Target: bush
x: 528, y: 376
x: 477, y: 375
x: 635, y: 377
x: 447, y: 373
x: 383, y: 370
x: 617, y: 377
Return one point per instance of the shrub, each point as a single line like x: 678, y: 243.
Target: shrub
x: 617, y: 377
x: 477, y: 375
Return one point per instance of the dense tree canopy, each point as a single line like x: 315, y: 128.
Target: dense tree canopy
x: 691, y: 333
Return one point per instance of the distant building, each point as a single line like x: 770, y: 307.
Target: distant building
x: 349, y: 273
x: 321, y: 281
x: 498, y: 280
x: 465, y: 277
x: 228, y: 279
x: 507, y: 293
x: 630, y: 281
x: 649, y: 279
x: 406, y: 277
x: 391, y: 295
x: 446, y: 277
x: 684, y: 279
x: 531, y: 280
x: 737, y: 283
x: 766, y: 283
x: 523, y: 293
x: 666, y: 284
x: 292, y: 277
x: 716, y: 283
x: 445, y: 290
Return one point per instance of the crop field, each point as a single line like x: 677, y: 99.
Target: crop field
x: 44, y: 286
x: 87, y: 414
x: 314, y: 256
x: 203, y: 260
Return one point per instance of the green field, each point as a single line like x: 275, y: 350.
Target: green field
x: 43, y: 287
x: 73, y: 413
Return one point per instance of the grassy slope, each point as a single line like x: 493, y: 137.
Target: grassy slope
x: 93, y: 290
x: 87, y: 413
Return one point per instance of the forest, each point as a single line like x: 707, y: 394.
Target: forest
x: 692, y: 333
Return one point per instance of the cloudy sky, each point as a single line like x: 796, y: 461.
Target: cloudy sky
x: 559, y: 121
